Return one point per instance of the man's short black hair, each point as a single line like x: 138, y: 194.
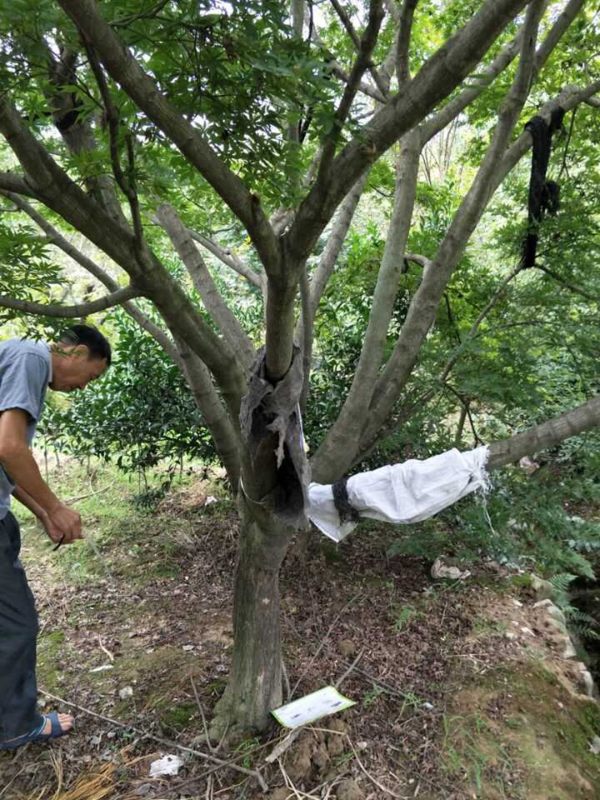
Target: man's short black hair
x: 96, y: 343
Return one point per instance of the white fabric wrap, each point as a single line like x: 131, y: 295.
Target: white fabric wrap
x: 401, y: 493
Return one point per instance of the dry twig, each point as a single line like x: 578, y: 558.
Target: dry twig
x: 222, y: 764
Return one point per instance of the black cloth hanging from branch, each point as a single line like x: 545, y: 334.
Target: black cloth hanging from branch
x: 544, y: 195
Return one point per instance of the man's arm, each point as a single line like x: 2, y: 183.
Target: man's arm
x: 27, y: 500
x: 19, y: 463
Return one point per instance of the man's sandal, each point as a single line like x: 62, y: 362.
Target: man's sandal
x: 56, y: 731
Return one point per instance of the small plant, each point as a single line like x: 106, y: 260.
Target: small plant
x: 373, y: 695
x: 405, y: 615
x: 247, y: 748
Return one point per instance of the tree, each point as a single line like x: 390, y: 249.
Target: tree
x: 146, y: 126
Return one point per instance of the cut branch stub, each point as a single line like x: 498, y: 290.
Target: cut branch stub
x: 278, y: 473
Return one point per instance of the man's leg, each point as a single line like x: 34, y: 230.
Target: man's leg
x: 18, y: 634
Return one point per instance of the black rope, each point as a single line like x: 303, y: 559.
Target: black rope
x: 544, y: 195
x: 342, y: 503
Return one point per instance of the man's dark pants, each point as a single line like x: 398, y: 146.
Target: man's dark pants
x: 18, y: 633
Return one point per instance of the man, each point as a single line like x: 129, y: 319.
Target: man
x: 27, y: 368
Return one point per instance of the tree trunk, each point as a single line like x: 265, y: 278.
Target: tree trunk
x: 255, y: 682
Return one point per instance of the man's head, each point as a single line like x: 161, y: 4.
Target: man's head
x: 80, y: 355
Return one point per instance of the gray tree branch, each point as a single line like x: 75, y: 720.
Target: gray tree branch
x: 205, y: 286
x: 547, y: 434
x: 423, y: 307
x: 230, y: 259
x: 78, y: 310
x: 440, y: 75
x: 481, y: 81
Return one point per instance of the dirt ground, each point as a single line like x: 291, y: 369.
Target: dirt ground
x: 461, y: 688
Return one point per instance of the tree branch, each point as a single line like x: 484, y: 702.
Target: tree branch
x: 13, y: 182
x: 365, y: 48
x: 79, y: 310
x: 356, y: 40
x: 230, y: 259
x: 57, y: 191
x: 58, y: 240
x: 124, y: 69
x: 436, y: 80
x: 205, y: 286
x: 482, y: 80
x: 546, y: 435
x: 342, y: 436
x: 422, y: 310
x: 224, y: 434
x: 75, y: 129
x: 125, y: 183
x: 405, y: 22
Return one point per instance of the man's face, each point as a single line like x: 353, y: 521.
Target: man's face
x: 74, y: 369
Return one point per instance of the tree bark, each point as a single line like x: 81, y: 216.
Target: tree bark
x: 255, y: 685
x: 547, y: 434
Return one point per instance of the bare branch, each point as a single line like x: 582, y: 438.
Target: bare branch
x: 570, y: 286
x: 422, y: 261
x: 546, y: 435
x: 560, y: 26
x: 482, y: 80
x: 436, y: 80
x: 498, y: 294
x: 57, y: 239
x: 356, y: 40
x: 342, y: 435
x: 79, y: 310
x: 204, y: 284
x: 363, y: 87
x: 126, y: 183
x: 478, y: 84
x: 124, y: 69
x: 222, y: 430
x: 365, y: 48
x: 75, y: 128
x: 230, y: 259
x: 336, y: 239
x: 405, y: 22
x: 594, y: 102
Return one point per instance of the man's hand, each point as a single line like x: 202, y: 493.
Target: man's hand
x: 63, y: 524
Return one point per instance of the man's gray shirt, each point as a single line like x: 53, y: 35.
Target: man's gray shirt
x: 25, y: 372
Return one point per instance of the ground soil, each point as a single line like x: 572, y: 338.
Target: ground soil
x: 461, y: 688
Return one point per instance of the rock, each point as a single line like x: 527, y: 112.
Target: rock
x: 441, y: 570
x: 588, y: 682
x: 542, y: 588
x: 143, y: 790
x: 595, y: 745
x: 569, y: 651
x: 347, y: 648
x: 349, y: 790
x: 279, y: 794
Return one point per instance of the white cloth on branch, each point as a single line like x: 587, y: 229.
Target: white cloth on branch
x: 401, y: 493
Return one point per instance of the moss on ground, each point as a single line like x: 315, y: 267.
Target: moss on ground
x: 521, y: 735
